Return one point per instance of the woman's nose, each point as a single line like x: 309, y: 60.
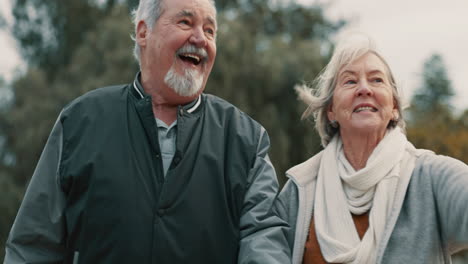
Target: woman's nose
x: 364, y: 89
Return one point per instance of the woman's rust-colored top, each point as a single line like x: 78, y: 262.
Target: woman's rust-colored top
x: 312, y: 253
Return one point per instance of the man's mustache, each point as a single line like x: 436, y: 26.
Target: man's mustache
x: 192, y: 49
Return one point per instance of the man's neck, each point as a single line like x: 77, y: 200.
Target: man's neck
x: 165, y: 100
x: 167, y: 114
x: 163, y: 108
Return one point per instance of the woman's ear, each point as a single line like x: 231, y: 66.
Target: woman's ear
x: 330, y: 113
x: 395, y: 115
x: 395, y: 112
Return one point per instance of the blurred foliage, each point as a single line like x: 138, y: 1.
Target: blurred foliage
x: 436, y: 91
x: 5, y: 95
x: 11, y: 196
x: 432, y: 124
x: 49, y: 32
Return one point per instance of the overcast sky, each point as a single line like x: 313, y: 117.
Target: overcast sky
x: 407, y: 32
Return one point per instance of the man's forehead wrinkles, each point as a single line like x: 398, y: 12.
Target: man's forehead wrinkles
x: 211, y: 20
x: 189, y: 13
x: 186, y: 12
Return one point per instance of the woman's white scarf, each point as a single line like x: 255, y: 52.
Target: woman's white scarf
x: 341, y: 191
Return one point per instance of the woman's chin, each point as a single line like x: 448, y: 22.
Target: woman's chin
x: 364, y: 128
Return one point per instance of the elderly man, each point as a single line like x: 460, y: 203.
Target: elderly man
x: 154, y: 171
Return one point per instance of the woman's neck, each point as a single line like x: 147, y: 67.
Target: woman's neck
x: 358, y: 147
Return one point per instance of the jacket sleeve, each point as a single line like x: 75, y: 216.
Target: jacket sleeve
x: 262, y: 232
x: 286, y: 207
x: 450, y: 177
x: 38, y: 233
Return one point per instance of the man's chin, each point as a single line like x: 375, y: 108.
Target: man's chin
x: 183, y: 69
x: 186, y: 86
x: 189, y: 93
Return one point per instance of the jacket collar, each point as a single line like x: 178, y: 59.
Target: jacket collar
x: 306, y: 172
x: 139, y: 93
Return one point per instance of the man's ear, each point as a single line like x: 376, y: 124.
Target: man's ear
x: 142, y: 33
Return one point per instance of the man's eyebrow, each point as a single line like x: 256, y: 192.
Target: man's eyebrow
x: 211, y: 20
x: 185, y: 13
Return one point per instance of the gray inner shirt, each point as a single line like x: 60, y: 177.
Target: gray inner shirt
x: 167, y: 142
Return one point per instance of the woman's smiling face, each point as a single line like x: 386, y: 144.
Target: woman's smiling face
x: 363, y: 97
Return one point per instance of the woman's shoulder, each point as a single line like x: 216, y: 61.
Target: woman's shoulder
x: 433, y: 161
x: 306, y: 172
x: 429, y: 164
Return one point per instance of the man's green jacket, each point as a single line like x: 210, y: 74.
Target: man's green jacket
x: 98, y: 194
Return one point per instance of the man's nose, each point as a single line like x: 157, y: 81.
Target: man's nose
x: 198, y: 37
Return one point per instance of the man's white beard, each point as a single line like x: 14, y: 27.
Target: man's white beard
x: 188, y: 84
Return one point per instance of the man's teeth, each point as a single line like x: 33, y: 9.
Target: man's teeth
x: 195, y: 57
x: 365, y: 108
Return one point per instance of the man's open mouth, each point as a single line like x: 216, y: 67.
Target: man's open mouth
x: 191, y: 58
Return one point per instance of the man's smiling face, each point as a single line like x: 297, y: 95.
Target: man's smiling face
x: 180, y: 49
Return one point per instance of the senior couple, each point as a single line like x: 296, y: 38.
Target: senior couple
x: 158, y: 172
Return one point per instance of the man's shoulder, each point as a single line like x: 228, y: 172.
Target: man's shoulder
x: 218, y: 102
x: 227, y: 117
x: 221, y: 107
x: 102, y: 97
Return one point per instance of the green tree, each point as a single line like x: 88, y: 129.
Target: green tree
x: 6, y: 97
x: 49, y: 32
x: 433, y: 97
x: 432, y: 124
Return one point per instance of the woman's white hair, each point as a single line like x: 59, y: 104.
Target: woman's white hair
x: 148, y: 11
x: 320, y: 96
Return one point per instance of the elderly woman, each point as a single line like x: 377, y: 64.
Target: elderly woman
x: 370, y: 196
